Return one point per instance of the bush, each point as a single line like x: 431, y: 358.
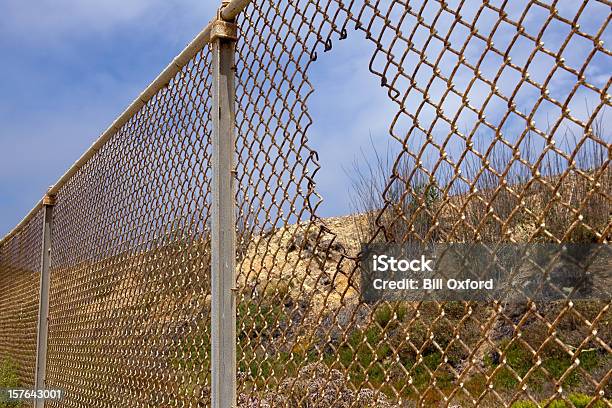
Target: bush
x: 581, y: 401
x: 390, y: 314
x: 8, y: 374
x: 399, y: 197
x: 525, y: 404
x: 8, y: 379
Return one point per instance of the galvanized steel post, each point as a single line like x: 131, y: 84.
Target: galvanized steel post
x: 43, y: 306
x: 223, y: 305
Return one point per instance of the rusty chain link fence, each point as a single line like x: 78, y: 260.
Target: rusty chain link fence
x: 499, y: 135
x: 19, y: 283
x: 130, y: 263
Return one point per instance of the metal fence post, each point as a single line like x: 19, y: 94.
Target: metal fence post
x: 223, y: 305
x: 43, y: 306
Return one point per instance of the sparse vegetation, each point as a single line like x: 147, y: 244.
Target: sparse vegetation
x: 397, y: 212
x: 510, y: 202
x: 581, y: 401
x: 400, y: 355
x: 525, y: 404
x: 518, y: 195
x: 8, y: 379
x: 576, y: 400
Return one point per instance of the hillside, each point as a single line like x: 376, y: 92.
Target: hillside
x: 301, y: 313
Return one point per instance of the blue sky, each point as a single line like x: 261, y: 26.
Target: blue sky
x: 70, y: 67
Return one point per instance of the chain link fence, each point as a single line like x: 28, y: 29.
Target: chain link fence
x: 19, y: 284
x: 499, y: 135
x: 488, y: 145
x: 131, y: 261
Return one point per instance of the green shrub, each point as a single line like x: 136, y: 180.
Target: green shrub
x: 383, y: 315
x: 582, y: 400
x: 525, y: 404
x: 579, y: 401
x: 8, y: 374
x: 8, y: 379
x: 260, y: 319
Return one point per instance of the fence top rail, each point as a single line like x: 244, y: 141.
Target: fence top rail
x: 229, y: 11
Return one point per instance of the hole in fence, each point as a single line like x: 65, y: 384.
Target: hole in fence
x: 351, y: 116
